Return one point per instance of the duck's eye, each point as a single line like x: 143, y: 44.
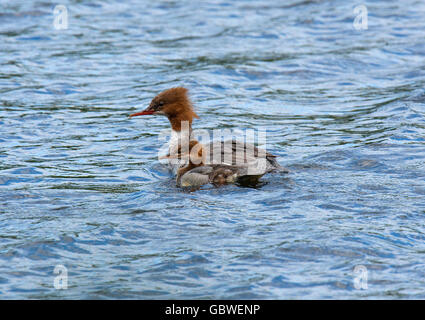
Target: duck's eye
x: 161, y: 103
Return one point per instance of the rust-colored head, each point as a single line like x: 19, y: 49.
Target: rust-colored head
x: 174, y: 104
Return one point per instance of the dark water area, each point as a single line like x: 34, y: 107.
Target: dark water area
x: 81, y: 185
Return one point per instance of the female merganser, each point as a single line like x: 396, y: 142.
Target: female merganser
x: 177, y: 107
x: 196, y: 173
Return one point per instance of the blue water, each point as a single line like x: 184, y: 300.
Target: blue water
x: 81, y: 185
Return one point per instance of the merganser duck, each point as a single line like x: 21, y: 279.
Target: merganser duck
x: 175, y: 104
x: 196, y: 173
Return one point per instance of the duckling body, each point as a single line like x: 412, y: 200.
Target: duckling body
x: 175, y: 104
